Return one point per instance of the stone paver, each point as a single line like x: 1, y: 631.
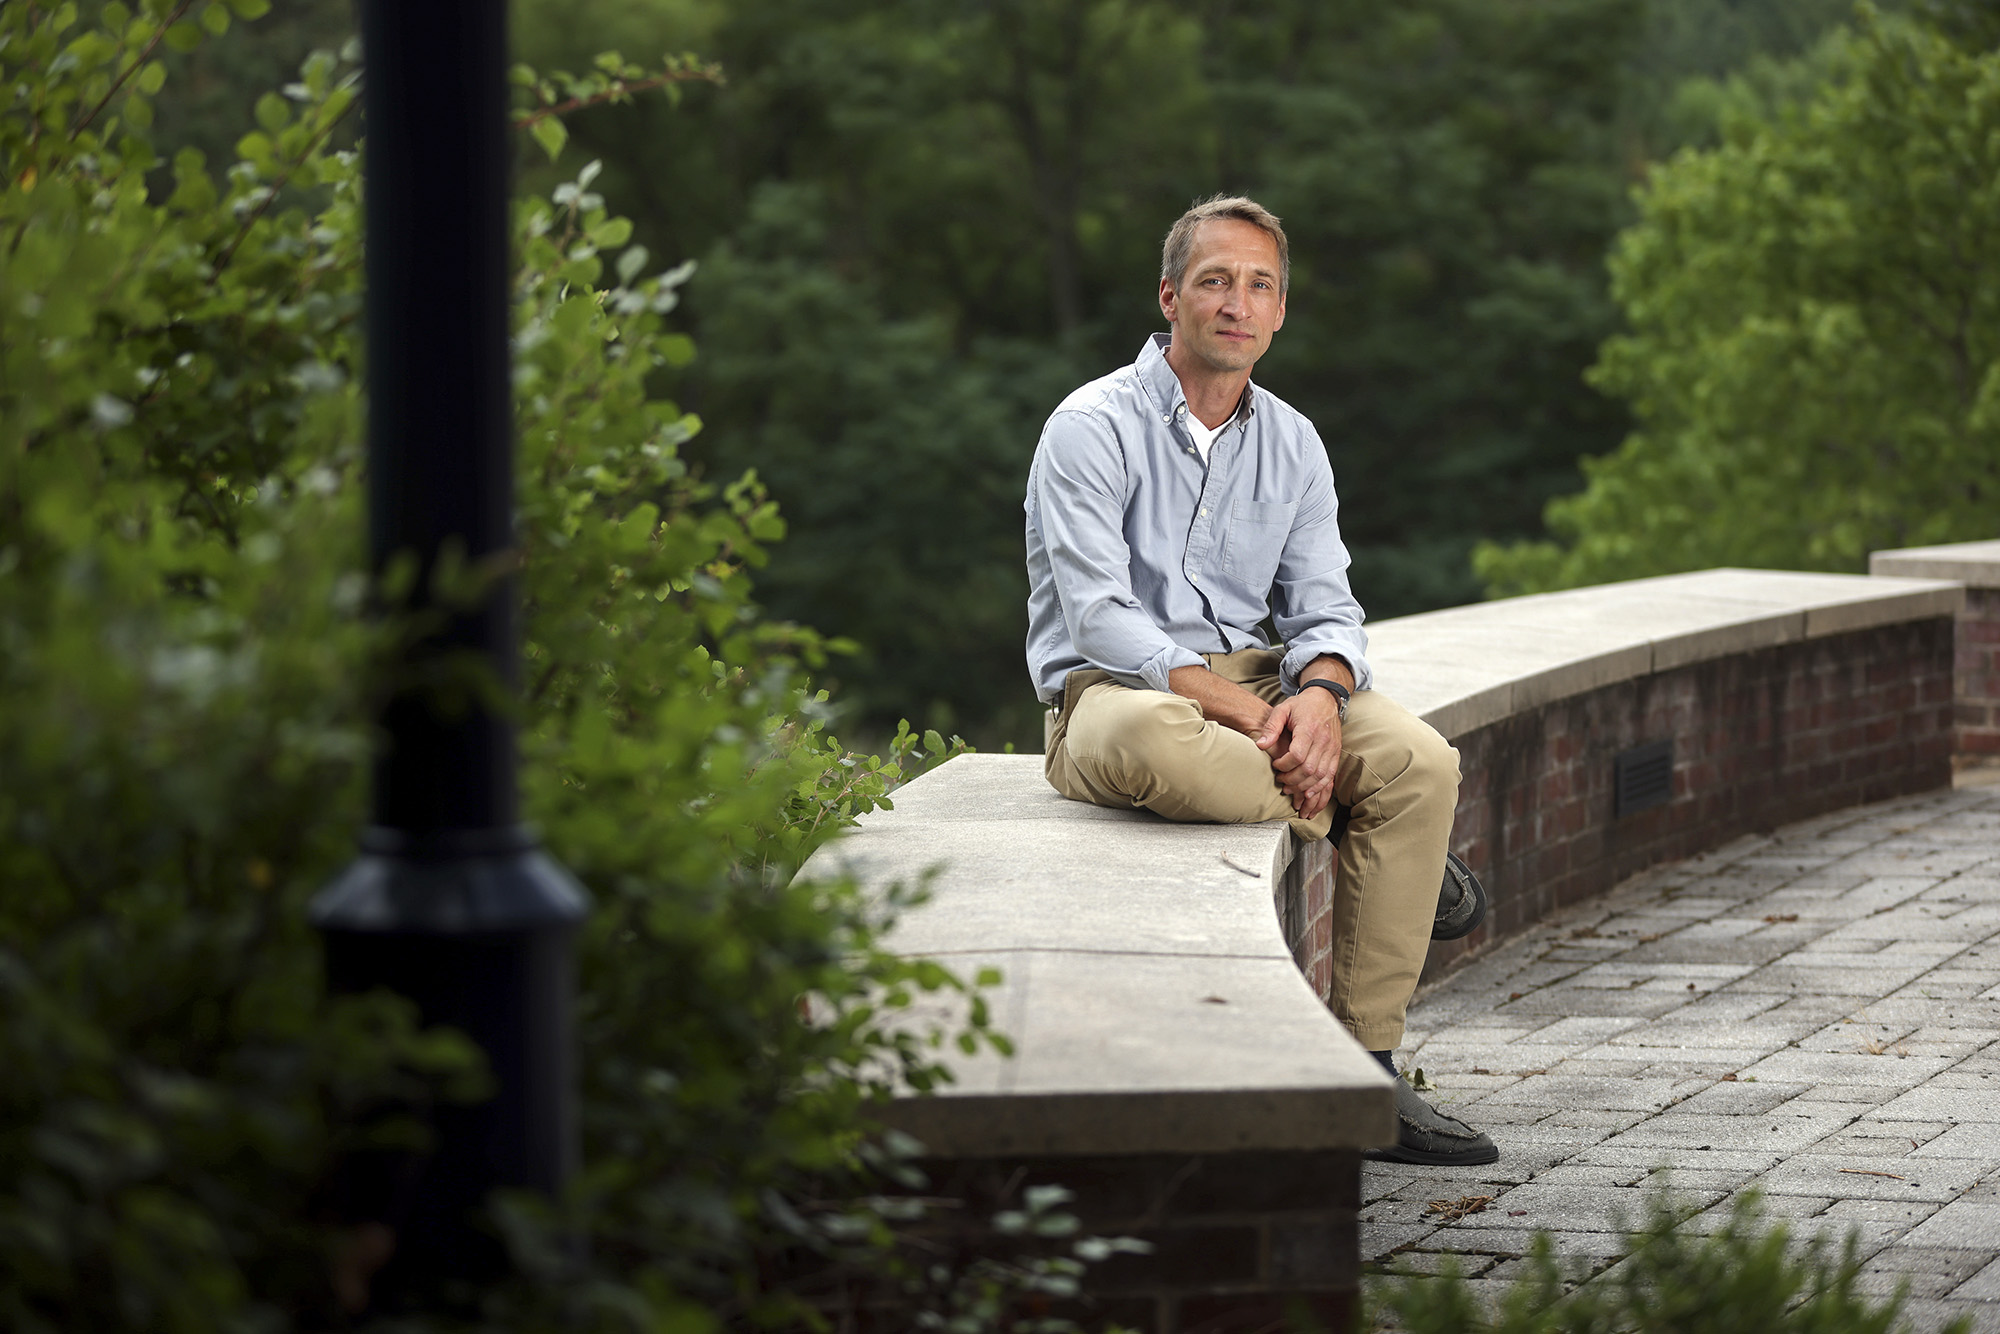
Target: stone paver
x: 1814, y: 1014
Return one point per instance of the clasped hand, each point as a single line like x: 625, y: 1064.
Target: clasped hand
x: 1302, y: 737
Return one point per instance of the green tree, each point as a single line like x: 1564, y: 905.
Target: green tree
x: 1450, y: 172
x: 921, y: 225
x: 1681, y: 69
x: 1814, y: 355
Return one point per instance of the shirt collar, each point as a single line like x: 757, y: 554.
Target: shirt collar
x: 1163, y: 387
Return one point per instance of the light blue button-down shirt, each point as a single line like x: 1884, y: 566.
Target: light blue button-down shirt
x: 1141, y: 558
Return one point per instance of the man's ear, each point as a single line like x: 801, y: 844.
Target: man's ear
x: 1279, y: 323
x: 1169, y: 299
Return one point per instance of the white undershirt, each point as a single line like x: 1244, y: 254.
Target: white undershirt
x: 1203, y: 436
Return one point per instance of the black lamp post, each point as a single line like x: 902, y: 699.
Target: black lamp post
x: 451, y: 903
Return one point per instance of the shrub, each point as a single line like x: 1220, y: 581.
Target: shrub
x: 1745, y: 1278
x: 186, y: 683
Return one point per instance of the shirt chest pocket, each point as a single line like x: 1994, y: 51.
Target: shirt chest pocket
x: 1255, y: 540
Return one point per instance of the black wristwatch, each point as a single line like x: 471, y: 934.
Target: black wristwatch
x: 1340, y: 692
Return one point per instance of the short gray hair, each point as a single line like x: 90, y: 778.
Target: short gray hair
x: 1178, y: 251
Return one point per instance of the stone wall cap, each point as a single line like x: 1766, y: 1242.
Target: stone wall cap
x: 1467, y: 667
x: 1974, y: 564
x: 1145, y: 981
x: 1145, y: 1053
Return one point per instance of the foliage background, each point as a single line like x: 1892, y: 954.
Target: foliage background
x: 918, y: 225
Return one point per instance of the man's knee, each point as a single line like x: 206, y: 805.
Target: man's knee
x: 1433, y: 761
x: 1411, y: 755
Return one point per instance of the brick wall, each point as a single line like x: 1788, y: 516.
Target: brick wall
x: 1759, y: 739
x: 1976, y: 676
x: 1240, y: 1242
x: 1305, y: 909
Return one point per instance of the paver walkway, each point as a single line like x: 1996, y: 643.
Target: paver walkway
x: 1815, y: 1013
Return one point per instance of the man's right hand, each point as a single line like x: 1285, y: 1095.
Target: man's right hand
x: 1302, y: 737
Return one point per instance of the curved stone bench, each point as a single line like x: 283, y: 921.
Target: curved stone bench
x: 1779, y: 695
x: 1175, y: 1065
x: 1148, y: 986
x: 1174, y: 1069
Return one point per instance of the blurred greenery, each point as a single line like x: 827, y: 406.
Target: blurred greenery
x: 918, y: 225
x: 1814, y: 306
x: 1734, y: 1272
x: 187, y: 679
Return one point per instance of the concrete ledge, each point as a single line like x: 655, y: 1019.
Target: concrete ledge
x: 1148, y: 986
x: 1466, y: 667
x: 1974, y: 564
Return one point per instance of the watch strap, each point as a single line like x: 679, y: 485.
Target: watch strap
x: 1339, y: 691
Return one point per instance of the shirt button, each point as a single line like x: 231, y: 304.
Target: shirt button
x: 1194, y: 578
x: 1204, y: 514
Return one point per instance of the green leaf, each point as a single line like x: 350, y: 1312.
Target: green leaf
x: 273, y: 113
x: 215, y: 17
x: 551, y: 134
x: 256, y: 148
x: 250, y: 9
x: 612, y: 232
x: 183, y: 37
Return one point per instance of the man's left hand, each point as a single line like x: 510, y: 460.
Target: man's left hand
x: 1302, y: 737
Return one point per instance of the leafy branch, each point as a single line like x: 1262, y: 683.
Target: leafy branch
x: 613, y: 79
x: 306, y: 154
x: 136, y: 63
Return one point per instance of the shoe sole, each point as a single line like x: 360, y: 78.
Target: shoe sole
x: 1425, y: 1158
x: 1480, y: 900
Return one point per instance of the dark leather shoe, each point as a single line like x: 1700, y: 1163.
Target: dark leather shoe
x: 1426, y: 1135
x: 1461, y: 902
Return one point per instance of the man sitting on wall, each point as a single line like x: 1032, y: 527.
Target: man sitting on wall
x: 1172, y: 508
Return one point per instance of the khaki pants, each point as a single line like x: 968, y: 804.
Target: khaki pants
x: 1113, y: 746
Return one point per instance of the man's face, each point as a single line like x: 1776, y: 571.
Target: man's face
x: 1229, y: 303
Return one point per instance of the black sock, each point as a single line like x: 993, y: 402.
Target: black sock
x: 1387, y: 1059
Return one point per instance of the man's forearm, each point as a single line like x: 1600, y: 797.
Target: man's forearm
x: 1221, y: 699
x: 1328, y: 668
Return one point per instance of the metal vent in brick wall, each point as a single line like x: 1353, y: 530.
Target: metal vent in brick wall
x: 1643, y: 777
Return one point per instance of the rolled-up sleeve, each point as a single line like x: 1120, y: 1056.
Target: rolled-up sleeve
x: 1312, y: 606
x: 1079, y: 494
